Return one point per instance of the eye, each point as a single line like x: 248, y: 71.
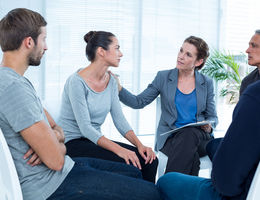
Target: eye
x: 189, y: 54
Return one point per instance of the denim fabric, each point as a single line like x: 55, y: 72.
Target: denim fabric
x: 177, y: 186
x: 104, y: 180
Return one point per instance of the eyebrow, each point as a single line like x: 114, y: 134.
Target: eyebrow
x: 253, y: 43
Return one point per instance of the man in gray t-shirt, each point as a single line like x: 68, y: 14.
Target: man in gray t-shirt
x: 21, y: 112
x: 34, y: 139
x: 36, y: 142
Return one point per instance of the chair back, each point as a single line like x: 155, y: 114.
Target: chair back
x: 10, y: 188
x: 254, y: 190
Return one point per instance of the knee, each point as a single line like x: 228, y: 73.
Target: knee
x: 167, y: 180
x: 155, y: 162
x: 191, y: 134
x: 168, y: 184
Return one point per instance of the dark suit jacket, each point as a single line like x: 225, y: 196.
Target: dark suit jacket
x: 238, y: 155
x: 165, y: 84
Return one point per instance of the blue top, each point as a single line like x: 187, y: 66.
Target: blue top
x: 238, y: 155
x: 84, y: 110
x: 186, y: 105
x: 165, y: 84
x: 20, y: 108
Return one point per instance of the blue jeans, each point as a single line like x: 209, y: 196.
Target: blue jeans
x: 99, y: 179
x: 177, y: 186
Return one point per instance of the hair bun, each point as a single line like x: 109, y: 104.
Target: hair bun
x: 89, y: 36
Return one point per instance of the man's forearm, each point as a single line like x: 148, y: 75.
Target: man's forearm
x: 59, y: 133
x: 63, y: 148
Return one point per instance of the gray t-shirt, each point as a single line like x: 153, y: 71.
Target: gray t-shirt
x: 20, y: 108
x: 83, y: 110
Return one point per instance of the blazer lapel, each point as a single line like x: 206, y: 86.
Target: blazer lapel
x: 172, y: 85
x: 200, y: 91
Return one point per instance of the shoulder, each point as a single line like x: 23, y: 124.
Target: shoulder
x: 112, y: 79
x: 167, y: 74
x: 74, y: 80
x: 17, y: 95
x: 251, y: 75
x: 203, y: 78
x: 13, y: 86
x: 113, y: 83
x: 253, y: 90
x: 8, y: 78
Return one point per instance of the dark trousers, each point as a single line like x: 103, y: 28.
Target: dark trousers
x: 83, y: 147
x: 212, y: 147
x: 184, y: 149
x: 95, y: 179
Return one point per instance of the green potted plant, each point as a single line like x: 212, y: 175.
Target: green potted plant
x: 222, y: 66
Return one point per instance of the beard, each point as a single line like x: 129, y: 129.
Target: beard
x: 34, y: 61
x: 34, y: 58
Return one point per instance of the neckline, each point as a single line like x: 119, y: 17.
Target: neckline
x: 185, y: 93
x: 92, y: 88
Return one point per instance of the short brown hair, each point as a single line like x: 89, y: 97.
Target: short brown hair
x: 17, y: 25
x: 202, y: 49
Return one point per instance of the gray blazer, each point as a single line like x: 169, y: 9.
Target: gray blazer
x: 165, y: 84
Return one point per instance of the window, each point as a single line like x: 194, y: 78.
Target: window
x: 239, y: 20
x: 150, y: 33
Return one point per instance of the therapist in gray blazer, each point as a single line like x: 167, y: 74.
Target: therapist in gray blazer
x: 187, y: 96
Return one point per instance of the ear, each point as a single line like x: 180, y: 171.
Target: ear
x: 198, y: 62
x: 28, y: 42
x: 101, y: 52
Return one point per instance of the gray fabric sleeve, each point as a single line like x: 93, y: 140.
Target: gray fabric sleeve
x: 116, y: 111
x: 144, y: 98
x: 21, y: 107
x: 77, y: 96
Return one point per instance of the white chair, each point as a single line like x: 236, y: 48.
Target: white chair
x: 10, y: 188
x: 205, y: 162
x: 254, y: 190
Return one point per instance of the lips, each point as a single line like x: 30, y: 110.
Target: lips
x: 180, y: 63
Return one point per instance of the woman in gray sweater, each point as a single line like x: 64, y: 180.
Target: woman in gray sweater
x: 89, y: 95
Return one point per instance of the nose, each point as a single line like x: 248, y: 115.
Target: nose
x: 45, y: 47
x: 180, y: 55
x: 120, y: 54
x: 248, y: 49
